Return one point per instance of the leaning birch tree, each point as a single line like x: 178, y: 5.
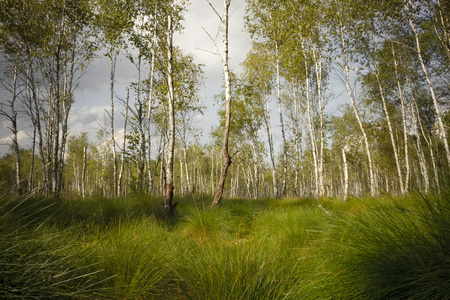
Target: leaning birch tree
x: 344, y: 66
x: 226, y: 130
x: 414, y: 27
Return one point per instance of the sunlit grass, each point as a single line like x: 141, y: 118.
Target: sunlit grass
x: 132, y: 255
x: 396, y: 249
x: 207, y: 224
x: 239, y: 269
x: 125, y: 248
x: 38, y: 258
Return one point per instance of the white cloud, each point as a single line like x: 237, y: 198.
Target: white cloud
x: 195, y: 40
x: 22, y: 138
x: 92, y: 97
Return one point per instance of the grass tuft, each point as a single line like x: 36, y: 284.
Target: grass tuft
x: 125, y: 248
x: 395, y: 251
x: 207, y: 223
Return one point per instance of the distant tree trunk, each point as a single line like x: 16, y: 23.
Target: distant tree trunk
x: 149, y: 134
x: 122, y: 156
x: 280, y: 111
x: 168, y: 196
x: 312, y: 132
x: 391, y: 132
x: 428, y: 140
x: 140, y: 118
x: 36, y: 112
x: 33, y: 149
x: 212, y: 173
x: 112, y: 62
x: 83, y: 173
x: 298, y: 141
x: 67, y: 101
x: 181, y: 183
x: 226, y: 132
x: 271, y: 151
x: 419, y: 147
x: 186, y: 166
x: 12, y: 116
x: 55, y: 100
x: 344, y: 160
x: 373, y: 187
x: 256, y: 163
x: 149, y: 114
x: 184, y: 143
x: 405, y: 127
x: 162, y: 171
x: 29, y: 105
x: 318, y: 67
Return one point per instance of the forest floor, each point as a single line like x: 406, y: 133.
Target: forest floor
x: 125, y: 248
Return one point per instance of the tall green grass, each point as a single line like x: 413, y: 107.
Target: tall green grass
x: 133, y: 257
x: 38, y: 259
x: 398, y: 249
x: 125, y: 248
x: 239, y: 269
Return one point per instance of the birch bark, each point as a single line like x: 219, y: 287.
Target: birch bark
x: 226, y: 72
x: 168, y: 195
x: 373, y: 189
x: 442, y: 130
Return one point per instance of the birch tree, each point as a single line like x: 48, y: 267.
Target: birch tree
x: 56, y: 53
x: 413, y: 24
x: 9, y: 111
x: 169, y: 206
x: 226, y: 158
x: 259, y: 75
x: 342, y: 28
x: 268, y: 21
x: 114, y: 20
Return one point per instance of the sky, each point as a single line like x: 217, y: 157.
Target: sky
x: 88, y: 113
x: 92, y: 99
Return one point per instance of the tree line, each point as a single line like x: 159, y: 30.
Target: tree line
x: 387, y: 61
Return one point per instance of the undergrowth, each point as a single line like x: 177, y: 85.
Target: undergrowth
x: 125, y: 248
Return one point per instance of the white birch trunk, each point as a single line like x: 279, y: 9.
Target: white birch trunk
x: 226, y: 72
x: 318, y: 67
x: 280, y: 111
x: 256, y: 162
x: 122, y: 156
x: 404, y: 123
x: 442, y: 130
x: 168, y: 196
x: 312, y: 133
x: 13, y: 118
x: 344, y: 160
x: 391, y: 132
x: 419, y: 148
x: 373, y: 188
x: 270, y: 142
x: 83, y: 173
x: 112, y: 63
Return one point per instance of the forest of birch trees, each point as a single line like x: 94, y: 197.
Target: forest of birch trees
x: 336, y: 98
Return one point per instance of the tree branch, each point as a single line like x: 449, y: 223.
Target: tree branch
x: 220, y: 18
